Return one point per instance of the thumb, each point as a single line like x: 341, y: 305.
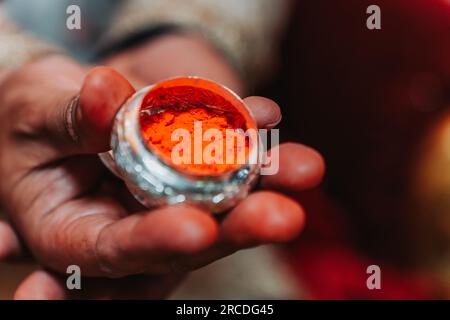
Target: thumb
x: 85, y: 122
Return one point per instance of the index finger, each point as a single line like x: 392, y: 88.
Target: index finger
x: 267, y: 113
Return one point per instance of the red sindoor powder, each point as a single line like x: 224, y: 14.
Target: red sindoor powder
x: 167, y: 109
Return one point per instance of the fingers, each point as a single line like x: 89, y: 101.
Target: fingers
x: 10, y: 245
x: 144, y: 242
x: 179, y: 238
x: 105, y: 245
x: 103, y: 93
x: 263, y: 217
x: 300, y: 168
x: 84, y: 123
x: 41, y: 285
x: 266, y: 112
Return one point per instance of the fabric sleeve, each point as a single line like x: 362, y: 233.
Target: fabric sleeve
x: 18, y: 46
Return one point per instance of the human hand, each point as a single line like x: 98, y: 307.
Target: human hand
x: 69, y: 209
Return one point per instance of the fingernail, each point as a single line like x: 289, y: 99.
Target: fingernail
x: 274, y: 124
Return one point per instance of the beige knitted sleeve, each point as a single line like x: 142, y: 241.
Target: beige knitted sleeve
x: 245, y: 31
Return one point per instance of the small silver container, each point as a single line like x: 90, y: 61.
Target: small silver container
x: 154, y: 182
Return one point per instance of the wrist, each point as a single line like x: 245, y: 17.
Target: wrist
x: 176, y: 54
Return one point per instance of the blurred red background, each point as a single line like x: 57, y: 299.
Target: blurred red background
x: 366, y: 99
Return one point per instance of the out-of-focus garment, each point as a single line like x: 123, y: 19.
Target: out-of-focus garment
x: 244, y: 31
x: 47, y: 20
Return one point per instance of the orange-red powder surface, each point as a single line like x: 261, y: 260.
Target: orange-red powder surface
x: 167, y: 109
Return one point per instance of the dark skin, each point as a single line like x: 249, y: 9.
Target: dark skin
x: 68, y: 209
